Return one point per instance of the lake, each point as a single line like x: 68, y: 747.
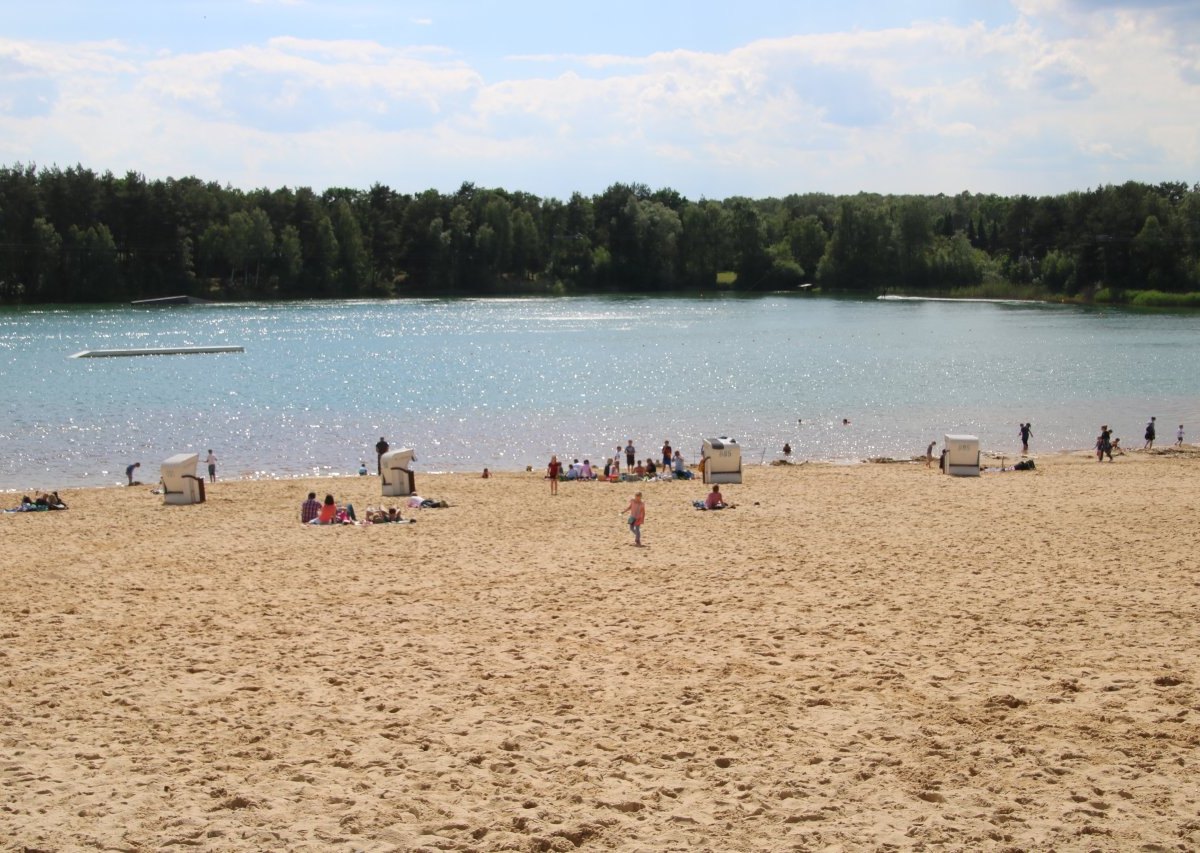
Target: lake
x: 504, y: 383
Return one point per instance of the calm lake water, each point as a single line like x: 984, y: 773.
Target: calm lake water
x: 506, y: 382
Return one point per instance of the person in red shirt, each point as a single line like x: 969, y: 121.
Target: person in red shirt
x: 637, y: 517
x: 552, y: 471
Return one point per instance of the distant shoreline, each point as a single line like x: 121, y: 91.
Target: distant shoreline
x: 1168, y: 451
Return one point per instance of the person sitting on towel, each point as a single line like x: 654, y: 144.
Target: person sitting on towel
x: 328, y: 512
x: 714, y: 499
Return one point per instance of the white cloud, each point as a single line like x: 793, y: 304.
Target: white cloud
x: 1064, y: 97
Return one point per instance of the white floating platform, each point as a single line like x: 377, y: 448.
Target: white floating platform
x: 172, y: 300
x: 115, y: 353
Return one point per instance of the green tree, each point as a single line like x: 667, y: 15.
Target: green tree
x: 526, y: 244
x: 859, y: 255
x: 353, y: 262
x: 914, y: 230
x: 751, y: 260
x: 1154, y: 256
x: 43, y: 279
x: 92, y: 263
x: 704, y: 243
x: 807, y: 238
x: 289, y: 259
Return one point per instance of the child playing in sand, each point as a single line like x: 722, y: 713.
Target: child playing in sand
x: 637, y: 515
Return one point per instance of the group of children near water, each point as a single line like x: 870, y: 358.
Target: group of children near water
x: 673, y: 467
x: 1106, y: 445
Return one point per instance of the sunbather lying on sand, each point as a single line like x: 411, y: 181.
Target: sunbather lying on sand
x: 391, y: 515
x: 44, y: 501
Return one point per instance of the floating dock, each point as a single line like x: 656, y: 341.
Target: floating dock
x: 118, y: 353
x: 172, y: 300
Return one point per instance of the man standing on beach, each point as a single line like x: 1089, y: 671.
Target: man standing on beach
x: 1104, y: 444
x: 929, y: 454
x: 1149, y: 436
x: 1026, y: 431
x: 1179, y: 437
x: 129, y: 471
x: 381, y: 447
x: 630, y: 453
x: 211, y: 462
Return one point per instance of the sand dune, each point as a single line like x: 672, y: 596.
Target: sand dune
x: 866, y: 657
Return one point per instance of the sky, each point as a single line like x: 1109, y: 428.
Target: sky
x: 755, y: 98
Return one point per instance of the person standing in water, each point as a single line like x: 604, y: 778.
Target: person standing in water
x: 1026, y: 431
x: 1149, y: 436
x: 211, y: 462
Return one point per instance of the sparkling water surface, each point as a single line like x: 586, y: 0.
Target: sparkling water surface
x: 506, y: 382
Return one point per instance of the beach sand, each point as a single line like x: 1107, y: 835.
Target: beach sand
x: 856, y: 657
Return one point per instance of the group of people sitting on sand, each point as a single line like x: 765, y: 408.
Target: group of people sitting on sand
x: 44, y: 502
x: 330, y: 511
x: 673, y: 468
x: 326, y: 512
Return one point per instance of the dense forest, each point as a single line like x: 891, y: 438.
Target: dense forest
x: 76, y: 236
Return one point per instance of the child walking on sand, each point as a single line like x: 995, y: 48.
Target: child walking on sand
x: 637, y: 514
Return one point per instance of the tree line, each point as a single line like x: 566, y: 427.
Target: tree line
x: 72, y: 235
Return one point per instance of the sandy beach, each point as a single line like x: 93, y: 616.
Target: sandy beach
x: 870, y: 657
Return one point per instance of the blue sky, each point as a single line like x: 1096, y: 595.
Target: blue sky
x: 713, y: 100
